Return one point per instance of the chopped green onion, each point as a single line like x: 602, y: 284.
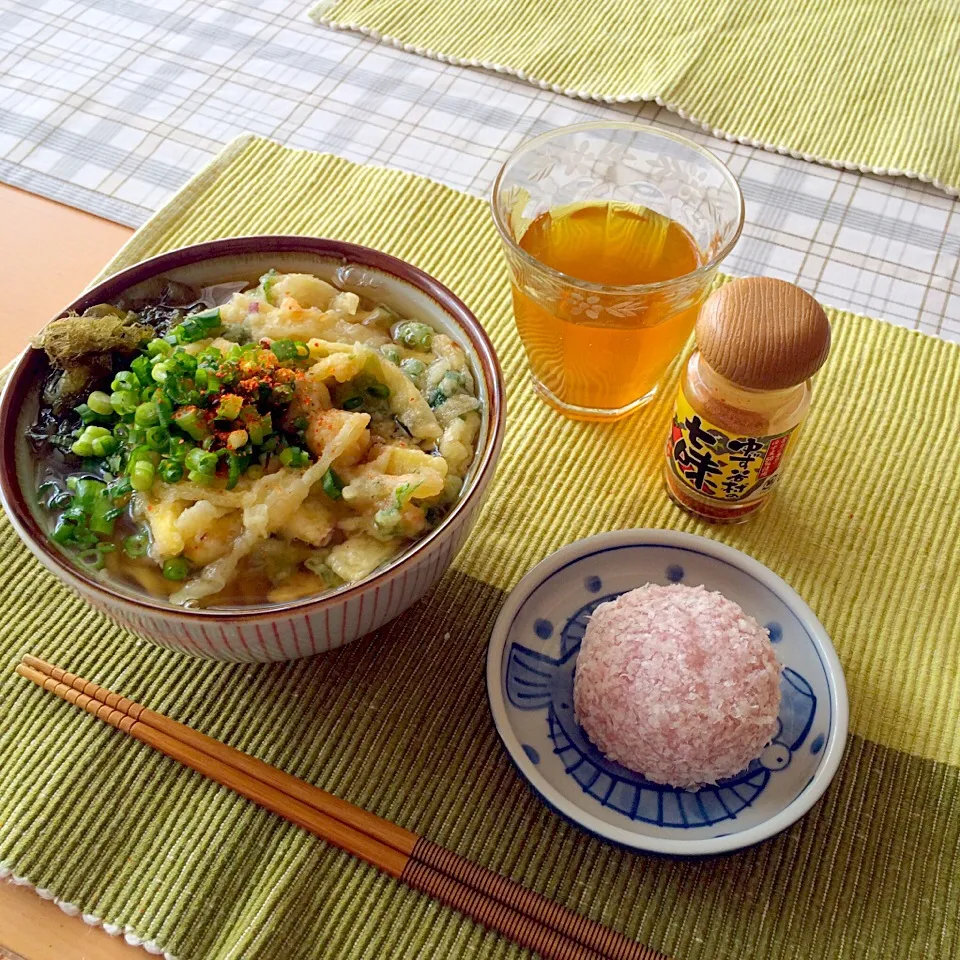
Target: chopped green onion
x: 83, y: 446
x: 289, y: 349
x: 258, y: 427
x: 332, y: 485
x: 209, y: 355
x: 380, y: 390
x: 126, y: 379
x: 104, y: 446
x: 63, y: 532
x: 352, y: 403
x: 146, y: 414
x: 452, y: 382
x: 391, y: 353
x: 266, y: 283
x: 403, y: 493
x: 164, y: 406
x: 135, y: 545
x: 294, y: 457
x: 92, y: 558
x: 156, y: 438
x: 435, y: 397
x: 103, y: 515
x: 197, y: 326
x: 201, y: 461
x: 119, y: 489
x: 282, y: 394
x: 413, y: 368
x: 87, y: 415
x: 124, y: 401
x: 139, y: 374
x: 170, y: 471
x: 87, y: 491
x: 229, y: 407
x: 142, y: 474
x: 413, y: 334
x: 99, y: 403
x: 176, y: 568
x: 235, y: 467
x: 159, y: 348
x: 178, y: 448
x: 142, y: 452
x: 188, y: 420
x: 386, y: 520
x: 201, y: 479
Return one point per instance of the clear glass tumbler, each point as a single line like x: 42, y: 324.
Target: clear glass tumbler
x: 612, y: 233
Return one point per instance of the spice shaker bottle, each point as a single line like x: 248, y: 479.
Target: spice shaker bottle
x: 743, y: 394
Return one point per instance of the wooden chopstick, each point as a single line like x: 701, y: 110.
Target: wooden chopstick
x: 488, y: 897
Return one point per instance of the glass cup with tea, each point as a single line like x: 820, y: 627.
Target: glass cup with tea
x: 613, y: 233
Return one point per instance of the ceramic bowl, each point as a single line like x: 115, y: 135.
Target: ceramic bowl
x: 531, y: 662
x: 304, y: 627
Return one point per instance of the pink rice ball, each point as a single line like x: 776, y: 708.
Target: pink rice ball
x: 677, y: 683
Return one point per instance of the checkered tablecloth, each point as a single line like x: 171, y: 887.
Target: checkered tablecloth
x: 111, y: 105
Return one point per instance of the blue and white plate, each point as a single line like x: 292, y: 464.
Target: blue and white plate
x: 530, y: 666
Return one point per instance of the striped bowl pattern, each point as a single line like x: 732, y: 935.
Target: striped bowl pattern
x: 288, y: 636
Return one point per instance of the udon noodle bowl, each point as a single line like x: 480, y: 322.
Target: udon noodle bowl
x: 247, y: 444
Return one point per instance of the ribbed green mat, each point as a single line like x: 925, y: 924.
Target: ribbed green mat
x: 867, y: 84
x: 399, y: 723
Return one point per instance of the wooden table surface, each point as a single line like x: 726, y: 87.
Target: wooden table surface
x: 51, y: 252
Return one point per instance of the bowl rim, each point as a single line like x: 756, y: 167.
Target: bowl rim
x: 692, y: 847
x: 18, y: 386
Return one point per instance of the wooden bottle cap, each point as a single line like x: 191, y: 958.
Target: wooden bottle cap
x: 763, y: 334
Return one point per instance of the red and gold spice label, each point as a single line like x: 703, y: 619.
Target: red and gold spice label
x: 728, y: 467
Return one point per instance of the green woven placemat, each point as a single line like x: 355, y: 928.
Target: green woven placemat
x: 399, y: 724
x: 866, y: 84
